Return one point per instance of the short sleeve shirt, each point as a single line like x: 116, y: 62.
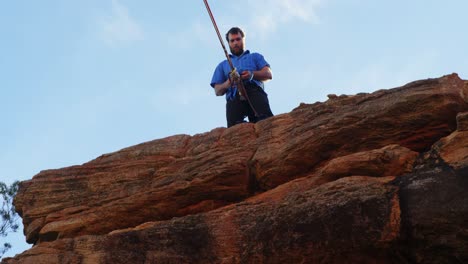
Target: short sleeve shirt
x: 245, y: 62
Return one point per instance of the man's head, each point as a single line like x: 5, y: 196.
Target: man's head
x: 235, y: 38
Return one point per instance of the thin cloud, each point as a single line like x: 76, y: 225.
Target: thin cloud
x: 120, y: 27
x: 263, y: 17
x: 267, y: 15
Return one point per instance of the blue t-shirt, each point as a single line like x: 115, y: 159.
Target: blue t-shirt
x: 245, y: 62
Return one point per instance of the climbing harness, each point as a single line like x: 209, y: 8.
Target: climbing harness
x: 240, y: 84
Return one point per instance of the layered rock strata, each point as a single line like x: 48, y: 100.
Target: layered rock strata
x: 368, y: 178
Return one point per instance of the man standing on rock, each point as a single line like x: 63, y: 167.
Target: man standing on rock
x: 254, y: 71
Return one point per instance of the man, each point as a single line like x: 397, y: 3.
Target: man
x: 253, y: 71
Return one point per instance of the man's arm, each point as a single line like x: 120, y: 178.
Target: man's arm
x: 262, y: 75
x: 221, y: 88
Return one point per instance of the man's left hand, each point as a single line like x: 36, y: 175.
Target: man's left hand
x: 247, y: 75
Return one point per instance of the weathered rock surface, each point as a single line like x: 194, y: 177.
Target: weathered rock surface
x: 454, y: 148
x: 369, y: 178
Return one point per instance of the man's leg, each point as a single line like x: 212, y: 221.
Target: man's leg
x: 235, y: 112
x: 259, y: 100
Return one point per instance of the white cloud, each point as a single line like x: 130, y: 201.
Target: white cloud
x: 120, y: 27
x: 267, y: 15
x: 263, y: 17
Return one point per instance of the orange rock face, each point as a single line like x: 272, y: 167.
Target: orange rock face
x: 454, y: 148
x: 368, y: 178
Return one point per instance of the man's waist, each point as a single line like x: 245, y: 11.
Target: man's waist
x: 233, y: 91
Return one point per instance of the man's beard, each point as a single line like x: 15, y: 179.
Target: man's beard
x: 239, y: 51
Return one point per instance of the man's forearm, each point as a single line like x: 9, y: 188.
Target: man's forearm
x: 221, y: 88
x: 263, y: 75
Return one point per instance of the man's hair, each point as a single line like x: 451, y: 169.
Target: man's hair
x: 234, y: 30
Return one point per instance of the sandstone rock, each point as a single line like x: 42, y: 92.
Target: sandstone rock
x: 464, y: 92
x: 148, y: 182
x: 314, y: 185
x: 392, y: 160
x: 453, y: 149
x: 434, y: 213
x: 352, y: 220
x: 275, y: 231
x: 462, y: 121
x: 413, y: 116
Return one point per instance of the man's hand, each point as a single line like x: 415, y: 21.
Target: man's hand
x: 234, y: 76
x: 262, y: 75
x: 221, y: 88
x: 247, y: 75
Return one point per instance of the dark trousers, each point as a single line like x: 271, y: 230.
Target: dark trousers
x: 237, y: 109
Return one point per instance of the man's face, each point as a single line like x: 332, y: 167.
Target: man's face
x: 236, y: 44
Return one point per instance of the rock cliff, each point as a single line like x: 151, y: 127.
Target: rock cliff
x: 367, y: 178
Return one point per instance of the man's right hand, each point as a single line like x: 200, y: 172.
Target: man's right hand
x: 234, y: 76
x: 221, y: 88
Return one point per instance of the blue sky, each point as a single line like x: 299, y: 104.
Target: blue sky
x: 84, y: 78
